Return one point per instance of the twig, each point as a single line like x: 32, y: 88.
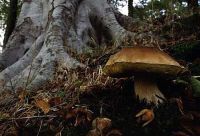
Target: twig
x: 40, y: 128
x: 31, y: 117
x: 11, y: 84
x: 196, y: 76
x: 59, y: 105
x: 28, y: 75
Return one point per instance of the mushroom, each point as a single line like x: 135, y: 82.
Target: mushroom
x: 100, y: 127
x: 146, y: 64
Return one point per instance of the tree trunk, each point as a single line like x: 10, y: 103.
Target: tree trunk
x: 193, y: 5
x: 130, y: 8
x: 46, y: 33
x: 11, y: 20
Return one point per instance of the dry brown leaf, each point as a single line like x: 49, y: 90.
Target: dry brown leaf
x: 22, y: 95
x: 43, y: 105
x: 145, y: 116
x: 55, y: 101
x: 81, y: 115
x: 101, y: 123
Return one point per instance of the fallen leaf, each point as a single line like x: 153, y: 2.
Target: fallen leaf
x: 145, y: 116
x: 81, y: 115
x: 55, y: 101
x: 43, y: 105
x: 101, y: 124
x: 22, y: 95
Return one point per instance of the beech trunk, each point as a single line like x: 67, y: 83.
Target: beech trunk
x: 48, y: 30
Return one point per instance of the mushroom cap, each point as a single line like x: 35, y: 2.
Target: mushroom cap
x: 146, y: 60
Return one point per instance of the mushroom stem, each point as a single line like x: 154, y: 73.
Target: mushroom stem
x: 146, y: 89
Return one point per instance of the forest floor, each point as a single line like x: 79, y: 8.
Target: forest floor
x: 69, y: 104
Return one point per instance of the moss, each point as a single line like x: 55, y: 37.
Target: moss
x: 195, y: 86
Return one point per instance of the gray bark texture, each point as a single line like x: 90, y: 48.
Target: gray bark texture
x: 48, y: 30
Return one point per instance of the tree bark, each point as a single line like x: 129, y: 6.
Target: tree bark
x: 11, y: 20
x: 130, y: 8
x: 193, y: 5
x: 46, y: 33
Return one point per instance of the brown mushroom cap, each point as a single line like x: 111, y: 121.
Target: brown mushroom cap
x: 130, y: 61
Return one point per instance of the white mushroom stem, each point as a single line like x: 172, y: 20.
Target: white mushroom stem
x: 146, y: 89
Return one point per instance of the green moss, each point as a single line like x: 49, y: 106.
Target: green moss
x: 195, y: 86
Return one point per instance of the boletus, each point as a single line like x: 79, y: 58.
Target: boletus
x: 147, y: 65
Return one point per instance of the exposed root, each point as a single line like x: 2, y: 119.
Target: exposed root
x: 23, y: 62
